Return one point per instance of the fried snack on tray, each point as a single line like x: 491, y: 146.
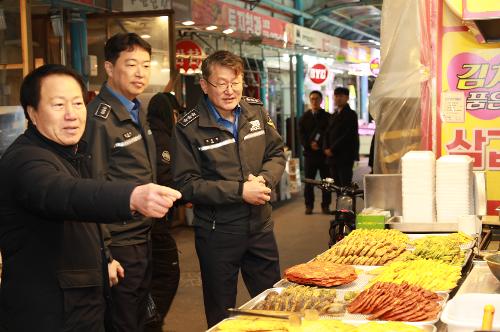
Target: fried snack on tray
x: 298, y: 298
x: 429, y: 274
x: 389, y: 301
x: 256, y: 324
x: 367, y: 247
x: 318, y: 273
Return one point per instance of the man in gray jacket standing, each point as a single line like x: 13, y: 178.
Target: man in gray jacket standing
x: 226, y: 158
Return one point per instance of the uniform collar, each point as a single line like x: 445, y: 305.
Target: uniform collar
x: 118, y: 108
x: 216, y: 114
x: 129, y: 104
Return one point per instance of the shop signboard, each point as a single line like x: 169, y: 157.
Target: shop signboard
x: 318, y: 73
x: 145, y: 5
x: 480, y: 9
x: 375, y: 66
x: 315, y: 39
x: 353, y: 52
x: 241, y: 20
x: 188, y: 55
x: 468, y: 101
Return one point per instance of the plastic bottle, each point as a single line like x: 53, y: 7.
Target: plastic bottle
x: 489, y: 312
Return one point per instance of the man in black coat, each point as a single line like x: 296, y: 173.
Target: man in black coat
x: 54, y: 274
x: 341, y: 145
x: 312, y: 128
x: 163, y: 111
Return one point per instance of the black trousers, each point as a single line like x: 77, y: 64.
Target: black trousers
x: 222, y: 255
x: 166, y: 273
x: 342, y: 172
x: 311, y: 167
x: 131, y: 293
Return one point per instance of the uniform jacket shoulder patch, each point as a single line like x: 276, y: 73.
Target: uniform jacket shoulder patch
x: 253, y: 101
x: 103, y: 111
x: 189, y: 117
x: 269, y: 121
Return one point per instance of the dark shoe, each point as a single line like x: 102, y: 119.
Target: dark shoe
x: 309, y: 210
x: 325, y: 210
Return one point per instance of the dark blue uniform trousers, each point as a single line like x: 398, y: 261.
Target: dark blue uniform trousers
x: 222, y: 255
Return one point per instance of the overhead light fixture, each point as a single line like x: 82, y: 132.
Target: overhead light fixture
x: 374, y: 42
x: 228, y: 31
x: 211, y: 27
x: 306, y: 47
x: 188, y: 23
x: 145, y: 36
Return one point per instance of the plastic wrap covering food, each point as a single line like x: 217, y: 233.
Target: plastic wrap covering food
x: 400, y: 101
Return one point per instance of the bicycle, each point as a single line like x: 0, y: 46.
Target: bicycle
x: 344, y: 220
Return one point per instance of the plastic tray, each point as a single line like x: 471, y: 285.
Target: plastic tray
x: 347, y: 316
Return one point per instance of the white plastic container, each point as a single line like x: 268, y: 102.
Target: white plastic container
x: 464, y: 313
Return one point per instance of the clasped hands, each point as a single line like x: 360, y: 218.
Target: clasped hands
x: 255, y: 191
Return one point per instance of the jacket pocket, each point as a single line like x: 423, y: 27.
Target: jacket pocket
x: 80, y: 278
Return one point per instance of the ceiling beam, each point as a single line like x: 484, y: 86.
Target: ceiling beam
x: 321, y: 17
x: 324, y: 10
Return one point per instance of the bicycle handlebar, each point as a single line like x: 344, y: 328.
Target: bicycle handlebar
x: 311, y: 181
x: 329, y: 185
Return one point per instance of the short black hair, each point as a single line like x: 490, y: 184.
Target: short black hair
x: 123, y: 42
x: 316, y: 92
x: 29, y: 94
x: 341, y: 91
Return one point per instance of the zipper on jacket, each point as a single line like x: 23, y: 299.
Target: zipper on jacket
x: 213, y: 218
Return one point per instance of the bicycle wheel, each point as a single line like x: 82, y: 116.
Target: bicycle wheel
x: 336, y: 232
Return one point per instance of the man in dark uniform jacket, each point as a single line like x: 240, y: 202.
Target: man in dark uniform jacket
x: 226, y: 158
x: 121, y: 145
x: 312, y: 128
x: 54, y: 272
x: 341, y: 144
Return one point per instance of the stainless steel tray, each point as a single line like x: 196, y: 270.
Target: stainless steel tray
x: 396, y: 222
x: 345, y: 317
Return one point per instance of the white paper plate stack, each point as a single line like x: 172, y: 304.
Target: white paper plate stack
x: 454, y: 188
x: 418, y: 186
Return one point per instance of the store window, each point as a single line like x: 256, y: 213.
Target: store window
x: 12, y: 121
x: 153, y: 29
x: 11, y: 68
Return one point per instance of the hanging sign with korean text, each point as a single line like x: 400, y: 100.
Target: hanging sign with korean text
x: 468, y: 100
x: 188, y: 55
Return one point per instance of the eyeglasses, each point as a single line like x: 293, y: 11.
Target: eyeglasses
x: 224, y: 86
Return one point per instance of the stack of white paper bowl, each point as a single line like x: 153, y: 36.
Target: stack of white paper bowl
x: 454, y: 188
x: 418, y: 186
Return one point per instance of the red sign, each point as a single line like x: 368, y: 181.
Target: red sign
x: 241, y: 20
x: 188, y: 54
x: 318, y: 73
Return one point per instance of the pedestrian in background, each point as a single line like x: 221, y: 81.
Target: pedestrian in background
x: 121, y: 145
x: 54, y: 273
x: 341, y: 144
x: 312, y: 129
x: 226, y: 159
x: 163, y: 110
